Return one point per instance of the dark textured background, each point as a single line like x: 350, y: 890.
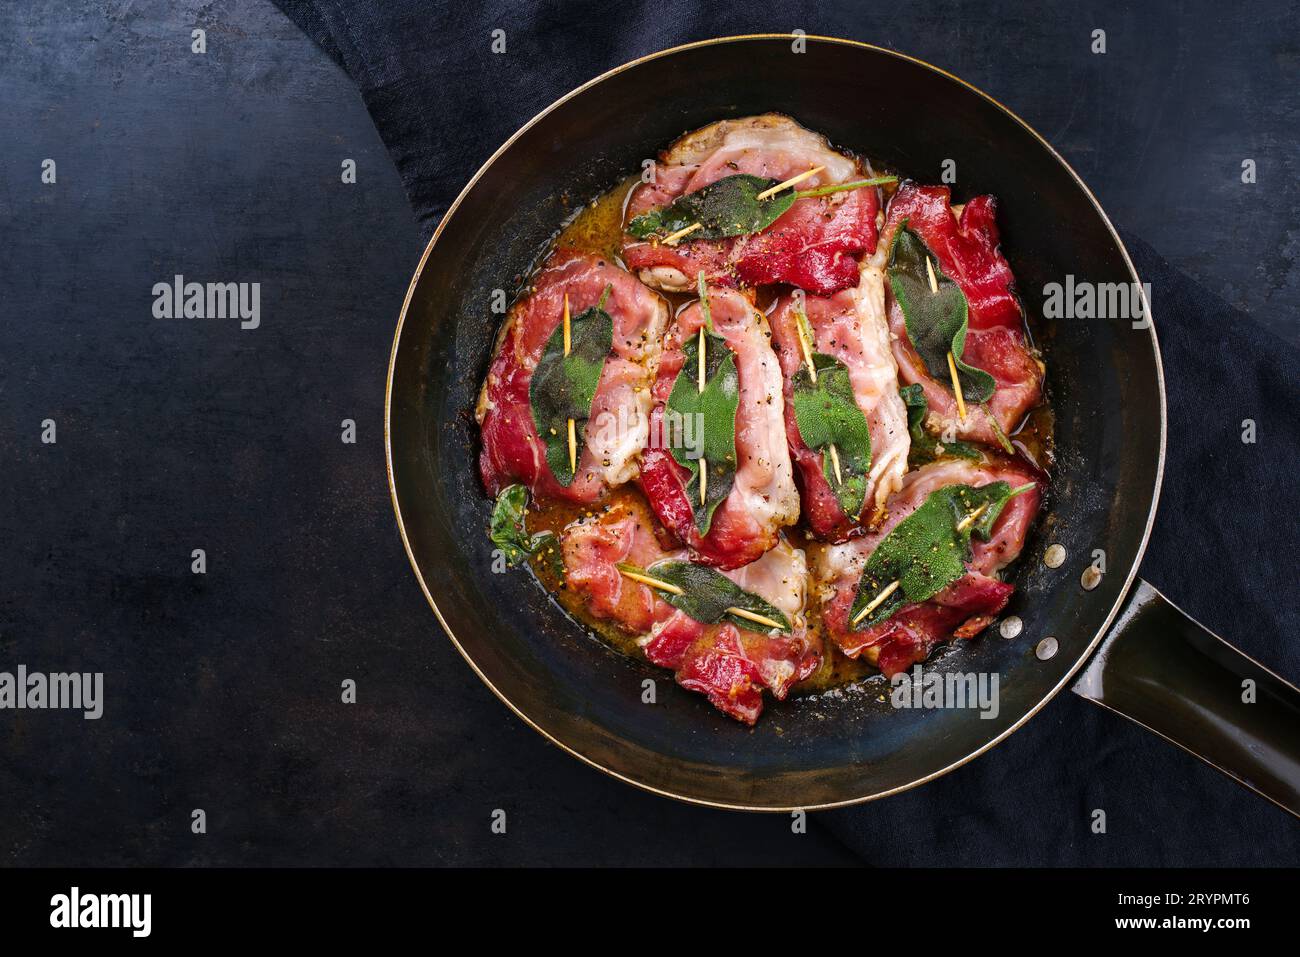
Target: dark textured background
x: 223, y: 690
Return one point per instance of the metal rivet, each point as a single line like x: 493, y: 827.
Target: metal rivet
x: 1054, y: 557
x: 1011, y: 626
x: 1091, y: 578
x: 1046, y: 648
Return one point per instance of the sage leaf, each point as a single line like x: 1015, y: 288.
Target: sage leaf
x: 730, y: 207
x: 508, y: 529
x: 827, y: 414
x: 726, y: 207
x: 936, y: 321
x: 563, y: 386
x: 707, y: 594
x: 700, y: 425
x: 927, y: 551
x: 924, y: 447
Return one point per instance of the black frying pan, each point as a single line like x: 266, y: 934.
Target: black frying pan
x: 1156, y: 665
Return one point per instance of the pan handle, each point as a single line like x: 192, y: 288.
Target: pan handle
x: 1161, y: 668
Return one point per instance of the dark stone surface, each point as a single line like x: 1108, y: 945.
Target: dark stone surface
x: 223, y: 690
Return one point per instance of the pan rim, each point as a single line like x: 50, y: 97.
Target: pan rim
x: 1079, y: 662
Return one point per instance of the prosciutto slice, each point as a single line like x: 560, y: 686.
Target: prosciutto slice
x: 967, y: 250
x: 851, y: 327
x: 964, y: 608
x: 813, y: 245
x: 763, y: 498
x: 618, y: 427
x: 730, y: 665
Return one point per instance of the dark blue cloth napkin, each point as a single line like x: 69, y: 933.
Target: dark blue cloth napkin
x: 1224, y: 545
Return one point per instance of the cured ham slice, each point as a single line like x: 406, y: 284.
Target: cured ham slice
x: 813, y: 245
x: 851, y: 327
x: 763, y: 498
x: 966, y: 248
x: 594, y: 546
x: 618, y: 427
x: 730, y: 665
x: 965, y: 607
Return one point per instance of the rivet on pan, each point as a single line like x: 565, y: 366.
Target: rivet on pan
x: 1011, y: 626
x: 1054, y: 557
x: 1090, y: 578
x: 1046, y: 648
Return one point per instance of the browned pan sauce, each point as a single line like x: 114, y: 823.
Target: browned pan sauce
x: 597, y: 227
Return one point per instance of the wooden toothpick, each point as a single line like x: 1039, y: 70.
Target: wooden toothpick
x: 568, y: 336
x: 702, y: 344
x: 952, y: 361
x: 750, y: 616
x: 876, y: 602
x: 956, y: 386
x: 835, y: 464
x: 672, y: 239
x: 966, y: 522
x: 704, y: 463
x: 773, y: 190
x: 934, y: 282
x: 573, y: 432
x: 652, y: 582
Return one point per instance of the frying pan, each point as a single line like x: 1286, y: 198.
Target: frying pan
x: 1154, y: 665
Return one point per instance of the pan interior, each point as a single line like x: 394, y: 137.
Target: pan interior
x: 1103, y: 379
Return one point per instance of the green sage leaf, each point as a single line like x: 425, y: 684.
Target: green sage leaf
x: 827, y: 414
x: 926, y: 551
x: 508, y: 529
x: 563, y: 386
x: 925, y: 448
x: 936, y: 322
x: 700, y: 425
x: 707, y: 594
x: 731, y: 207
x: 726, y: 207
